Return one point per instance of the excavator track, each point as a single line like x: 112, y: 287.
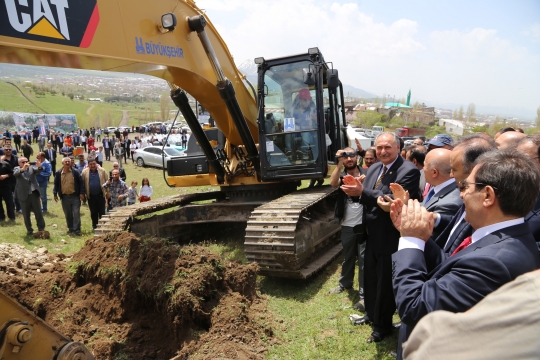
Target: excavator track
x: 294, y: 235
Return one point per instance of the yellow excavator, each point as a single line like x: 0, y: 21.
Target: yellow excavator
x: 267, y: 137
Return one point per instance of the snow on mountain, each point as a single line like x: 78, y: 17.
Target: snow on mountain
x: 248, y: 67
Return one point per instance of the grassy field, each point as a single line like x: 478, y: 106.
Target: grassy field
x: 87, y: 112
x: 309, y: 322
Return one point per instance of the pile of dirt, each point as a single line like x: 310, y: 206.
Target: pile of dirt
x: 131, y: 298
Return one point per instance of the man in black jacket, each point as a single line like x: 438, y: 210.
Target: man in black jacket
x: 383, y: 238
x: 349, y: 212
x: 17, y: 141
x: 50, y: 154
x: 6, y: 194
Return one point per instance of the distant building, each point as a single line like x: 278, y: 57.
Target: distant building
x: 454, y: 127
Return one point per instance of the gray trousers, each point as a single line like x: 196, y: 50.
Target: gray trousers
x: 351, y: 252
x: 71, y: 204
x: 32, y: 204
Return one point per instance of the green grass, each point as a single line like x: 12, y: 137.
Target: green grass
x: 11, y: 100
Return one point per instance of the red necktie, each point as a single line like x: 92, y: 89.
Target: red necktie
x: 466, y: 242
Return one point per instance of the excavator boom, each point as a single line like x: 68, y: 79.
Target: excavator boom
x: 126, y: 36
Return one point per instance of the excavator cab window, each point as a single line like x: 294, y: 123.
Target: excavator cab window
x: 291, y: 120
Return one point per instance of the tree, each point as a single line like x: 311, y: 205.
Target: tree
x: 460, y: 113
x: 417, y: 105
x: 434, y: 130
x: 71, y: 96
x: 455, y: 114
x: 471, y: 113
x: 396, y: 122
x: 165, y: 105
x: 538, y: 118
x: 368, y: 118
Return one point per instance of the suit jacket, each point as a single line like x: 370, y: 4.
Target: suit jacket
x: 53, y: 159
x: 382, y: 235
x: 22, y: 189
x: 456, y: 283
x: 533, y: 219
x: 446, y: 202
x: 450, y: 243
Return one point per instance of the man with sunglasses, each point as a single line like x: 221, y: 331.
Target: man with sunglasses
x: 350, y: 213
x: 498, y: 193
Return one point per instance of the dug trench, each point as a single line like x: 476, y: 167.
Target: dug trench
x: 127, y: 297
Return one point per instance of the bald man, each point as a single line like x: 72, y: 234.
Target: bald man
x: 509, y: 140
x: 443, y: 197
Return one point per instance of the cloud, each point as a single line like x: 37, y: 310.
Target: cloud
x: 454, y: 65
x: 533, y: 32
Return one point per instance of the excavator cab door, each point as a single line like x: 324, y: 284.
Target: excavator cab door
x: 292, y: 131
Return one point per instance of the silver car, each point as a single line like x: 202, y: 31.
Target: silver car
x: 152, y: 156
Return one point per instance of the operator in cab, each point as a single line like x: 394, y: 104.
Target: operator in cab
x: 303, y: 114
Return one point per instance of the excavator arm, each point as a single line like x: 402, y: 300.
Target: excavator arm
x: 127, y: 36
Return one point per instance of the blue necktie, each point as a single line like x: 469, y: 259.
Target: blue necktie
x: 429, y: 195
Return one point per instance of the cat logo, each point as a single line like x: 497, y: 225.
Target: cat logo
x: 63, y: 22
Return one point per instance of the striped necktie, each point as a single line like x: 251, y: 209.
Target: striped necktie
x: 380, y: 178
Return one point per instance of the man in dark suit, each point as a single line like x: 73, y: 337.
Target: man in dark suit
x: 27, y: 191
x: 59, y: 141
x: 349, y: 213
x: 497, y: 194
x: 50, y: 154
x: 383, y: 238
x: 462, y: 160
x: 443, y: 196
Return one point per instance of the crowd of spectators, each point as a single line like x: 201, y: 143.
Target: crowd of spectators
x: 441, y: 226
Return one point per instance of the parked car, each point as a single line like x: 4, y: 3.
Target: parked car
x: 152, y: 156
x: 122, y: 128
x: 110, y: 129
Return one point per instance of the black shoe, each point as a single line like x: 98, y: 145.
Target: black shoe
x: 377, y: 337
x: 360, y: 306
x: 29, y: 233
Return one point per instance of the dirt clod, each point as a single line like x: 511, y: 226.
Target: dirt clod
x: 132, y: 298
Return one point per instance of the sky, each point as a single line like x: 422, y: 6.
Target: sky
x: 449, y: 53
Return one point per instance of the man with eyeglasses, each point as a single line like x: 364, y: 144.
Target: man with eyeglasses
x: 501, y: 189
x: 27, y: 190
x: 349, y: 212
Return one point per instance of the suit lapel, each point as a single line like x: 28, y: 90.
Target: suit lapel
x: 441, y: 194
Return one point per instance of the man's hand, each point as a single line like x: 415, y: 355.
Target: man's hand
x: 81, y: 196
x: 340, y: 158
x: 55, y: 198
x: 354, y: 190
x: 395, y: 213
x: 120, y: 197
x: 3, y: 177
x: 416, y: 221
x: 384, y: 203
x: 358, y: 145
x: 38, y: 163
x: 399, y: 192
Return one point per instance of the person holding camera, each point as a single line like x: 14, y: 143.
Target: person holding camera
x: 350, y: 213
x: 69, y: 187
x: 27, y: 191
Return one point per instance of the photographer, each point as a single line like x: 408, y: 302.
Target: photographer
x: 27, y: 190
x: 349, y: 212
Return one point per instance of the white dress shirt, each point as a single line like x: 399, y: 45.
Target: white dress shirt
x: 408, y: 242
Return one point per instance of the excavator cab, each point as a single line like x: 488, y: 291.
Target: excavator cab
x: 299, y: 104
